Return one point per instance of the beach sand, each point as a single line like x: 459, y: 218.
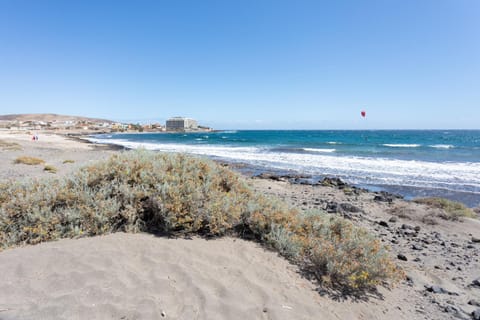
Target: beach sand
x: 140, y: 276
x: 53, y: 149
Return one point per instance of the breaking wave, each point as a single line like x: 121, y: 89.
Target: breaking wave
x: 401, y: 145
x: 457, y: 176
x: 442, y: 146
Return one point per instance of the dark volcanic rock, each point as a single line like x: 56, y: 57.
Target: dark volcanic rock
x: 451, y: 309
x: 383, y: 223
x: 476, y: 314
x: 347, y: 207
x: 407, y: 227
x: 474, y: 303
x: 476, y: 283
x: 266, y: 175
x: 332, y: 207
x: 402, y: 257
x: 304, y: 181
x: 393, y: 219
x: 417, y: 247
x: 294, y: 178
x: 408, y: 232
x: 333, y: 182
x: 438, y: 289
x: 383, y: 196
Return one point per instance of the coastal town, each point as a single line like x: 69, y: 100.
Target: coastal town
x: 62, y: 124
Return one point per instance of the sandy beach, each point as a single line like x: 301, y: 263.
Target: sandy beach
x: 65, y: 154
x: 141, y: 276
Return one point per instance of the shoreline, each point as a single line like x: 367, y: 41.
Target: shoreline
x: 470, y: 199
x: 408, y: 193
x: 410, y: 190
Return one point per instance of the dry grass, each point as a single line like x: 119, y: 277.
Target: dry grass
x: 5, y: 145
x: 181, y: 195
x: 450, y: 210
x: 28, y: 160
x: 68, y: 161
x: 50, y: 168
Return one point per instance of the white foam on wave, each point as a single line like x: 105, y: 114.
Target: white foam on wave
x: 450, y: 175
x: 442, y: 146
x: 333, y: 142
x: 185, y: 148
x: 401, y: 145
x: 318, y: 150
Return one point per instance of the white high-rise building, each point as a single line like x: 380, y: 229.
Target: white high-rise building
x: 181, y: 124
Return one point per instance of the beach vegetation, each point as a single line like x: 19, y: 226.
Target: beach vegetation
x: 450, y: 210
x: 176, y: 194
x: 29, y: 160
x: 50, y: 168
x: 6, y: 145
x: 68, y: 161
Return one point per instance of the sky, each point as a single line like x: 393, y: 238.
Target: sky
x: 246, y: 64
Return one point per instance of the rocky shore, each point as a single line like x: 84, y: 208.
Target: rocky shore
x: 441, y: 257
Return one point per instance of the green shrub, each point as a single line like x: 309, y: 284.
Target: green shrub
x: 28, y: 160
x: 331, y: 248
x: 177, y: 194
x: 342, y: 254
x: 453, y: 210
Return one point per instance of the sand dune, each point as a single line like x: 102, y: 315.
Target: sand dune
x: 140, y: 276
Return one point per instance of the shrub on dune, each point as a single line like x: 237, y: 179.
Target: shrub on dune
x: 9, y: 146
x: 178, y: 194
x: 28, y: 160
x: 50, y: 168
x: 452, y: 210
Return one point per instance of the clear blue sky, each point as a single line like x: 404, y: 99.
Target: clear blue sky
x: 246, y: 63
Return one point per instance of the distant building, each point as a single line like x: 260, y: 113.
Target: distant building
x: 181, y: 124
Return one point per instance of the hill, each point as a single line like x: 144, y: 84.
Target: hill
x: 48, y: 117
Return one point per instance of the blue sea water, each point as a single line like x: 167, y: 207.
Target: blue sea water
x: 410, y: 162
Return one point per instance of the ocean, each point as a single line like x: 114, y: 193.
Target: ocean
x: 412, y: 163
